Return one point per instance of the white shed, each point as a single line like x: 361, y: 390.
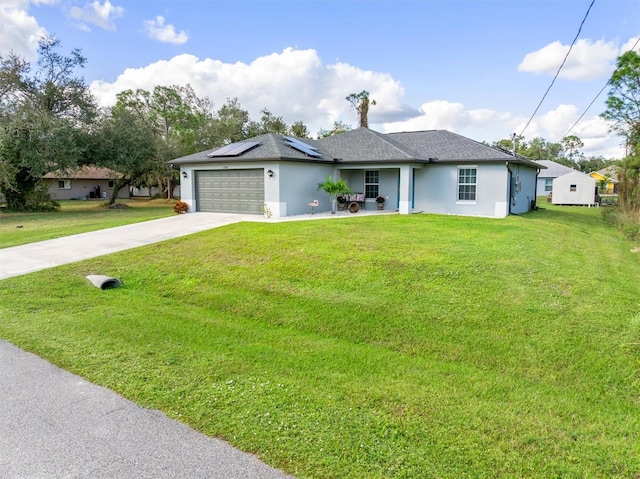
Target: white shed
x: 574, y: 188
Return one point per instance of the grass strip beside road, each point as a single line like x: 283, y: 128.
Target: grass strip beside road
x: 77, y: 217
x: 380, y: 347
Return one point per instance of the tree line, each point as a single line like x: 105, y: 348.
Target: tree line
x: 565, y: 152
x: 50, y: 122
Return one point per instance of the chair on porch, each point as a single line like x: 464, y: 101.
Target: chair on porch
x: 357, y: 197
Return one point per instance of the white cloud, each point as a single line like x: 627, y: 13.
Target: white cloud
x: 587, y: 60
x: 99, y: 14
x: 594, y: 131
x: 157, y: 30
x: 294, y: 84
x: 633, y: 42
x: 298, y: 86
x: 480, y: 124
x: 19, y: 31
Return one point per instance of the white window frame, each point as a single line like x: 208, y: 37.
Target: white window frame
x: 548, y: 185
x: 377, y: 184
x: 64, y: 184
x: 474, y: 184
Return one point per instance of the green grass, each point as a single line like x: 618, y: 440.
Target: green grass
x: 77, y: 217
x: 374, y: 347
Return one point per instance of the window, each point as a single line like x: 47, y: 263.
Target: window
x: 371, y: 184
x: 110, y: 183
x: 64, y: 184
x: 548, y: 184
x: 573, y: 188
x: 467, y: 184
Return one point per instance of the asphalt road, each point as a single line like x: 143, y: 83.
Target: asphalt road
x: 54, y: 424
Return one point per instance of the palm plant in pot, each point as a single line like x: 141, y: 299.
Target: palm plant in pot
x: 335, y: 188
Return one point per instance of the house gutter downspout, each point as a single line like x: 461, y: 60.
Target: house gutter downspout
x: 509, y: 188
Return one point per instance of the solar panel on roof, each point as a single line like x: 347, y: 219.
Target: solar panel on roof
x: 234, y: 149
x: 295, y: 141
x: 301, y: 146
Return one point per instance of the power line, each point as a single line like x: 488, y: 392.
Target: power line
x: 596, y: 97
x: 561, y: 65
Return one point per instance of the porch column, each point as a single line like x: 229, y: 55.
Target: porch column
x: 406, y: 189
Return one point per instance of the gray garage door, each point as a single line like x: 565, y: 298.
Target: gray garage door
x: 230, y: 191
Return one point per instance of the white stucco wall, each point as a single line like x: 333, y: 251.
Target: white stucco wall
x: 436, y: 190
x: 583, y: 194
x: 523, y: 188
x: 298, y: 186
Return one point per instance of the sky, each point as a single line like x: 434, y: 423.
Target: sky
x: 479, y: 68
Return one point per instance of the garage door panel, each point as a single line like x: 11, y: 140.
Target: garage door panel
x: 230, y: 191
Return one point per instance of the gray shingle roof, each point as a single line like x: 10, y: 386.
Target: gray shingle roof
x: 272, y: 147
x: 363, y: 145
x: 443, y: 146
x: 554, y: 170
x: 611, y: 170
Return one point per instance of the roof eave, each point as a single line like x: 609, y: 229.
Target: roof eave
x: 234, y: 159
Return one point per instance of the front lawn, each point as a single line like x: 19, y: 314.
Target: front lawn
x: 77, y: 217
x: 373, y: 347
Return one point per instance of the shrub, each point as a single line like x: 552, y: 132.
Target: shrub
x: 627, y: 222
x: 39, y: 200
x: 180, y: 207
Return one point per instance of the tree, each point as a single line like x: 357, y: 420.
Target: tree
x: 43, y: 119
x: 269, y: 123
x: 338, y: 127
x: 334, y: 188
x: 230, y: 123
x: 541, y: 149
x: 623, y: 101
x: 507, y: 144
x: 623, y: 110
x: 571, y: 145
x: 361, y: 103
x: 299, y: 130
x: 178, y: 120
x: 126, y: 145
x: 592, y: 163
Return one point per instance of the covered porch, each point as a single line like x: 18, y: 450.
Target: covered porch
x: 394, y: 184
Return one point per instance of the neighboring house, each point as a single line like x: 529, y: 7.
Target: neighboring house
x: 575, y: 188
x: 610, y: 172
x: 546, y: 177
x: 82, y: 183
x: 432, y: 171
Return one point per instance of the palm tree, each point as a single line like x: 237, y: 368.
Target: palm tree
x: 361, y: 102
x: 334, y: 188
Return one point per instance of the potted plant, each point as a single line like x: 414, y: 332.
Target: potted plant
x: 342, y: 201
x: 380, y: 201
x: 334, y: 188
x: 181, y: 207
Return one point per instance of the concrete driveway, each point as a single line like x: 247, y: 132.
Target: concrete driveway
x: 23, y: 259
x: 54, y: 424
